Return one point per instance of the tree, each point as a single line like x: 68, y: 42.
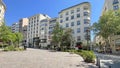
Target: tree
x: 19, y: 38
x: 67, y: 39
x: 107, y: 26
x: 57, y: 35
x: 6, y: 34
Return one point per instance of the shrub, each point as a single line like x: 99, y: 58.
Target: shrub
x: 13, y: 48
x: 5, y: 45
x: 9, y: 48
x: 88, y: 56
x: 19, y: 49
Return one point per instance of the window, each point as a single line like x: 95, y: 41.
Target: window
x: 50, y: 27
x: 73, y: 31
x: 86, y: 14
x: 86, y: 28
x: 67, y: 25
x: 78, y: 15
x: 78, y: 30
x: 61, y: 21
x: 72, y: 11
x: 115, y: 2
x: 86, y: 21
x: 78, y: 38
x: 85, y: 8
x: 78, y: 22
x: 42, y: 29
x: 50, y: 32
x: 37, y: 20
x: 61, y: 16
x: 116, y: 7
x: 72, y: 23
x: 72, y: 17
x: 67, y: 18
x: 67, y: 13
x: 78, y: 9
x: 34, y: 17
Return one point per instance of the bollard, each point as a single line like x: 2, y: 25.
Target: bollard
x: 98, y: 62
x: 110, y: 67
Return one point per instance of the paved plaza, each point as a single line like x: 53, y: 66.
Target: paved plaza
x: 109, y: 60
x: 36, y: 58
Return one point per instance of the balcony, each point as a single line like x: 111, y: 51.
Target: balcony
x: 115, y: 2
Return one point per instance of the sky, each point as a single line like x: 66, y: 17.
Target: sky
x: 17, y: 9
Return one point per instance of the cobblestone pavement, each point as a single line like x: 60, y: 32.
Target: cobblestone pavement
x: 36, y: 58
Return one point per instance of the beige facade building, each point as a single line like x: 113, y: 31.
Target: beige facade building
x: 78, y: 19
x: 23, y: 23
x: 2, y: 11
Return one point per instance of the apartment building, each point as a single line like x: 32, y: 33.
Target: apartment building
x: 15, y: 27
x: 23, y: 23
x: 77, y: 18
x: 2, y: 11
x: 111, y: 5
x: 36, y: 30
x: 44, y: 29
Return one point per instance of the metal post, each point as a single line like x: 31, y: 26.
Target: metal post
x: 98, y: 62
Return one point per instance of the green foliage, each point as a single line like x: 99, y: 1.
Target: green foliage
x: 18, y: 38
x: 8, y: 37
x: 2, y: 46
x: 13, y: 48
x: 88, y: 56
x: 108, y: 25
x: 57, y: 35
x: 9, y: 48
x: 67, y: 39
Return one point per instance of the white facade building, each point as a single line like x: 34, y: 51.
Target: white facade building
x: 78, y: 19
x: 15, y: 27
x: 35, y: 29
x: 2, y: 11
x: 44, y: 28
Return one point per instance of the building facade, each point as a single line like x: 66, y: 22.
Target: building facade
x: 15, y: 27
x: 111, y: 5
x: 23, y: 23
x: 44, y: 29
x: 78, y: 19
x: 36, y: 30
x: 2, y: 11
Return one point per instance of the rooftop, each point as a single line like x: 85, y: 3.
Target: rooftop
x: 74, y: 6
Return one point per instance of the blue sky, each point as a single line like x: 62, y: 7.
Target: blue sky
x: 17, y: 9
